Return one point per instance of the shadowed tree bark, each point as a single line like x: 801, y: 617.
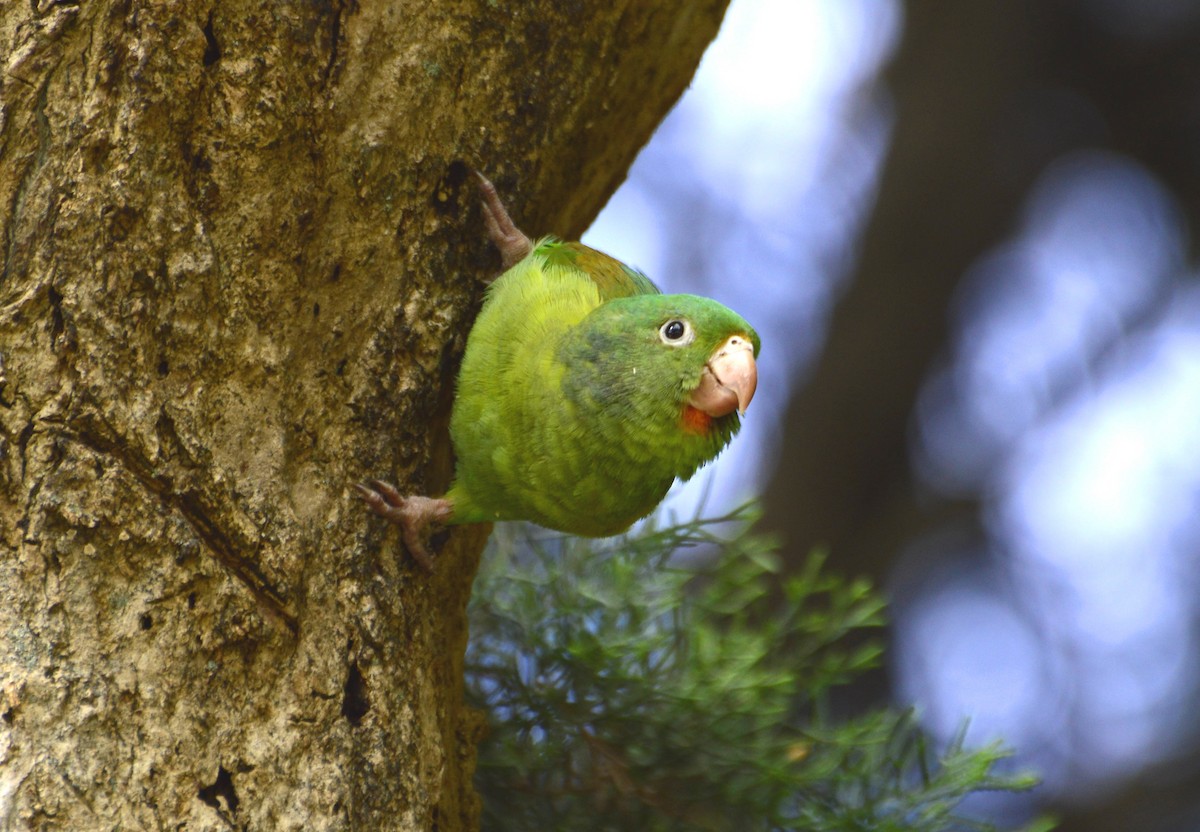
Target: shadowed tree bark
x: 241, y: 253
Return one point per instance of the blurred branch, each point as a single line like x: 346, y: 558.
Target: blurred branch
x: 844, y: 478
x: 986, y: 94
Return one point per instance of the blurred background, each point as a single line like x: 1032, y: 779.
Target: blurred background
x: 962, y: 231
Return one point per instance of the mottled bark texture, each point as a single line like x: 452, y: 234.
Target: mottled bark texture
x: 241, y: 254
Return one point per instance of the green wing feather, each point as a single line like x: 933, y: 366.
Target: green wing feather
x: 612, y: 277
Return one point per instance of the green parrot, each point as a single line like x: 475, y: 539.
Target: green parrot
x: 584, y: 392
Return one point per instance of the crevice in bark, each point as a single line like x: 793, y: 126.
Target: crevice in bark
x: 199, y: 517
x: 23, y: 443
x: 355, y: 702
x: 56, y: 314
x: 212, y: 49
x: 221, y: 794
x: 7, y: 405
x: 335, y: 35
x: 100, y: 438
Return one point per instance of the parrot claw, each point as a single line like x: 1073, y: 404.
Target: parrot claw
x: 513, y: 244
x: 412, y: 514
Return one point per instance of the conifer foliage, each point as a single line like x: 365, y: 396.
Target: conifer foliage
x: 627, y: 690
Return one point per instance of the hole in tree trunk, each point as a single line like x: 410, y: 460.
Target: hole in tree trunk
x: 221, y: 795
x: 212, y: 51
x: 354, y: 697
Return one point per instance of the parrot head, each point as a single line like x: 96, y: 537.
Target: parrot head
x: 679, y: 363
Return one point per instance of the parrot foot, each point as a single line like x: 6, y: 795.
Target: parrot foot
x: 412, y: 514
x: 513, y: 244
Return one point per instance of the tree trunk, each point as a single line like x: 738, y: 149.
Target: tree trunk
x: 241, y: 256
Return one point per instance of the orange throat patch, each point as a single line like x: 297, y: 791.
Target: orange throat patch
x: 696, y: 421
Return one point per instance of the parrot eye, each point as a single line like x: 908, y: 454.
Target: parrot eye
x: 676, y: 333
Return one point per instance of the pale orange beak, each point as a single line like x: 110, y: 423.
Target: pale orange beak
x: 729, y: 379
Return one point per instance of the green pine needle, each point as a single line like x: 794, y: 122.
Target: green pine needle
x: 626, y: 692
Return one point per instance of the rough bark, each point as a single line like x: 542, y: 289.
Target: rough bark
x: 241, y: 253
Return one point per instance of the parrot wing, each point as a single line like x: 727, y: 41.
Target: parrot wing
x: 613, y: 278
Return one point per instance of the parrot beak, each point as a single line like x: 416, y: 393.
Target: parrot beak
x: 728, y: 380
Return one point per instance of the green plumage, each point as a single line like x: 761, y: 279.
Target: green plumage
x: 570, y: 409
